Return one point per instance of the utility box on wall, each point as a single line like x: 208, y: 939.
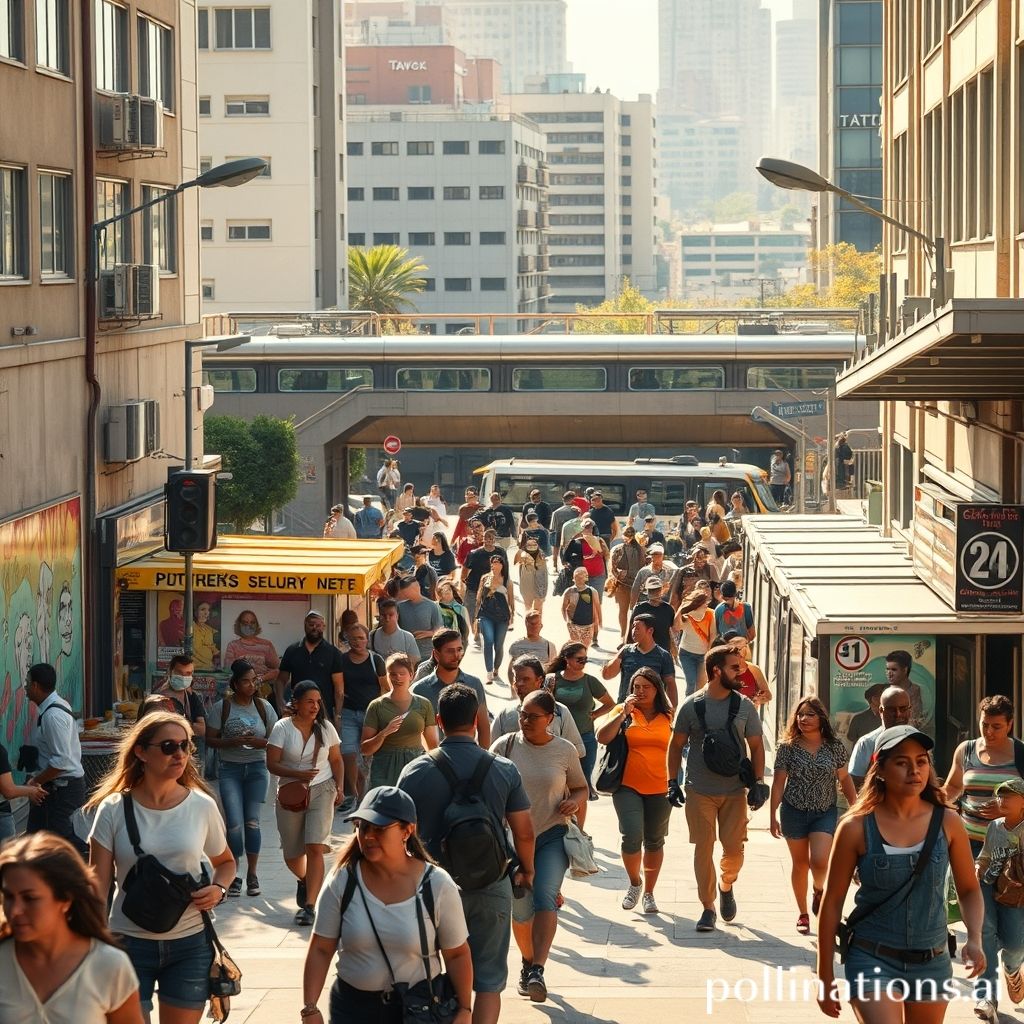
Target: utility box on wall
x: 131, y: 432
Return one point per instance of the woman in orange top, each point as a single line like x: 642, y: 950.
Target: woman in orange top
x: 640, y: 802
x: 695, y: 624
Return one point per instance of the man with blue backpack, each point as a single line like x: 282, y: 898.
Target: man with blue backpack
x: 464, y: 795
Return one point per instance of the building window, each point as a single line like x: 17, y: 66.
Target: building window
x: 458, y: 238
x: 354, y: 148
x: 258, y: 231
x: 111, y: 47
x: 387, y: 238
x: 52, y: 49
x: 357, y: 239
x: 12, y: 29
x: 115, y: 242
x: 205, y: 163
x: 492, y: 237
x: 383, y: 149
x: 206, y: 231
x: 386, y: 195
x: 204, y: 106
x: 430, y: 285
x: 156, y: 62
x: 455, y: 148
x: 242, y: 106
x: 13, y: 225
x: 209, y: 293
x: 356, y: 195
x: 202, y: 28
x: 243, y: 28
x: 491, y: 147
x: 159, y: 231
x: 456, y: 192
x: 458, y: 284
x: 493, y: 284
x: 419, y: 149
x: 420, y: 238
x: 421, y: 192
x: 56, y: 231
x: 492, y: 191
x: 418, y: 94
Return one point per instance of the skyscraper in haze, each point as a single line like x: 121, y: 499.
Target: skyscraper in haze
x: 715, y: 62
x: 796, y: 85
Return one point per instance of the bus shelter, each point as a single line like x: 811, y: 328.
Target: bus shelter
x: 832, y: 598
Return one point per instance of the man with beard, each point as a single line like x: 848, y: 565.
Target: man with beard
x: 316, y: 659
x: 716, y: 802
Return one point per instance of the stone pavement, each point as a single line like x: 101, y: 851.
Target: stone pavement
x: 606, y: 965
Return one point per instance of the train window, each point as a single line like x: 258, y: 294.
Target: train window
x: 778, y: 378
x: 322, y: 378
x: 443, y: 378
x: 560, y: 378
x: 241, y: 379
x: 673, y: 378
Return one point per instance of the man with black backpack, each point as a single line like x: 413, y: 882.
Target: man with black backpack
x: 719, y: 725
x: 464, y: 794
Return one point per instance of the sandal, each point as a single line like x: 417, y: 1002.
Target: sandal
x: 803, y: 924
x: 816, y: 901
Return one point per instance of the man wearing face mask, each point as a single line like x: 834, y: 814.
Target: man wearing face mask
x: 178, y: 689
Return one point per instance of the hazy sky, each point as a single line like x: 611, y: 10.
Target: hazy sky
x: 615, y: 42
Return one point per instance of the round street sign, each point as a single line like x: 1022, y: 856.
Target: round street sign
x: 392, y: 444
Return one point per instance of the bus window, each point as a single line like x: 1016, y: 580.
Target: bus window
x: 775, y: 378
x: 440, y: 378
x: 614, y: 493
x: 515, y: 491
x: 667, y: 496
x: 560, y: 378
x: 668, y: 378
x: 242, y: 379
x: 323, y: 378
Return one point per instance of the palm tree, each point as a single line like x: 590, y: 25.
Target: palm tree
x: 379, y: 279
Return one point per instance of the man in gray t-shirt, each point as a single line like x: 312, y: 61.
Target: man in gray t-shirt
x: 419, y: 616
x: 715, y: 803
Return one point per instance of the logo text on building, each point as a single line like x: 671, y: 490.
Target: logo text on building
x: 408, y: 65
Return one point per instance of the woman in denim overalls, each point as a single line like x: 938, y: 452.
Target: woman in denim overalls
x: 904, y: 941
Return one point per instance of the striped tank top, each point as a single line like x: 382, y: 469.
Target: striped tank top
x: 980, y: 781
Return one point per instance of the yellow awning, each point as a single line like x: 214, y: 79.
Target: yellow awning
x: 270, y: 565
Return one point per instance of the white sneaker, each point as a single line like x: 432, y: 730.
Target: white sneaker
x: 985, y: 1009
x: 650, y: 906
x: 632, y: 897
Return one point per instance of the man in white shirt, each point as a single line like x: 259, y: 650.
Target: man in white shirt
x: 389, y: 638
x: 339, y: 526
x: 59, y: 767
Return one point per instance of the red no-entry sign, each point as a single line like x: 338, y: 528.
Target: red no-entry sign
x: 392, y: 444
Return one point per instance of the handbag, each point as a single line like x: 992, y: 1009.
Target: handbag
x: 431, y: 1000
x: 579, y: 848
x: 225, y: 977
x: 563, y: 581
x: 612, y: 763
x: 1010, y: 883
x: 154, y: 898
x: 294, y: 795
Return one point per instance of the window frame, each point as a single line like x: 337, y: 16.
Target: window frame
x: 62, y: 220
x: 439, y: 370
x: 233, y: 14
x: 244, y: 101
x: 518, y: 370
x: 12, y: 20
x: 247, y: 226
x: 782, y: 385
x: 156, y: 69
x: 115, y: 245
x: 113, y: 59
x: 366, y: 370
x: 14, y: 253
x: 160, y: 231
x: 235, y: 372
x: 57, y: 36
x: 718, y: 368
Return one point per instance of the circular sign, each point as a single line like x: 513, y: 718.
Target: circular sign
x: 852, y: 653
x: 989, y: 560
x: 392, y: 444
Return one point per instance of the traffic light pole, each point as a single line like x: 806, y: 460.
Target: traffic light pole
x: 187, y: 644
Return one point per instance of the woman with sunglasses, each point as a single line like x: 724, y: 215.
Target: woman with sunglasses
x: 555, y: 784
x: 179, y: 824
x: 641, y: 803
x: 306, y: 748
x: 376, y: 889
x: 583, y: 694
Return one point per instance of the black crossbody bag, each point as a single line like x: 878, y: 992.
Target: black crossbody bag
x: 846, y: 930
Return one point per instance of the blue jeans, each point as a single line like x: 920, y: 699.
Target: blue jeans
x: 493, y: 633
x: 178, y: 968
x: 550, y: 863
x: 693, y: 667
x: 589, y: 759
x: 1003, y: 930
x: 7, y: 827
x: 243, y: 789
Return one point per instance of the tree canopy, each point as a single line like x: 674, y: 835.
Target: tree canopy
x: 381, y: 279
x: 852, y: 277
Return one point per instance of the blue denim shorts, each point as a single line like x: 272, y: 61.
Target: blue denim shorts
x: 351, y: 730
x: 489, y: 920
x: 876, y: 972
x: 550, y: 864
x: 179, y: 969
x: 797, y: 824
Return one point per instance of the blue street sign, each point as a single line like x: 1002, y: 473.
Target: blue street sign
x: 794, y: 410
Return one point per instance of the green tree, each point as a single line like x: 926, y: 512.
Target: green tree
x: 262, y: 457
x: 381, y: 279
x: 629, y: 300
x: 736, y: 206
x: 356, y: 464
x: 851, y: 275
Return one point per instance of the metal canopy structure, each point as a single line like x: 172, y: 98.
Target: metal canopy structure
x: 971, y: 349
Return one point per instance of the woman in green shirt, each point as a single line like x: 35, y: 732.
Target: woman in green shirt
x: 398, y: 726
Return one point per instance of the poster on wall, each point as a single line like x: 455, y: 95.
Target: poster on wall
x: 40, y: 609
x: 861, y: 667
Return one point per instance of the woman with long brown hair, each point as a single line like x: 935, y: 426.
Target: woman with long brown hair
x: 157, y: 781
x: 897, y: 960
x: 695, y: 625
x: 809, y: 762
x: 59, y: 961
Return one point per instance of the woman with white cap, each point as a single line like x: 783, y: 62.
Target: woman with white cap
x: 901, y: 838
x: 382, y: 892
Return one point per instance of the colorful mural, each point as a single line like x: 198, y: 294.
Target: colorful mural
x: 40, y: 610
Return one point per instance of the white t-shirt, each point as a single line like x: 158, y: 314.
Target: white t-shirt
x: 359, y: 959
x: 298, y: 755
x: 98, y: 986
x: 178, y: 837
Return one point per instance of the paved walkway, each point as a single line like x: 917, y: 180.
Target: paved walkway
x: 607, y: 966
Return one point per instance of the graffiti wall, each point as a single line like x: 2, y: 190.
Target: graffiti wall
x: 40, y: 610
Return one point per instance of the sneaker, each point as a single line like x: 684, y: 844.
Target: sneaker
x: 523, y: 987
x: 476, y: 642
x: 650, y: 906
x: 632, y: 897
x: 985, y: 1009
x: 252, y: 885
x: 1014, y: 984
x: 727, y: 904
x: 536, y: 988
x: 300, y: 893
x: 707, y: 921
x: 305, y: 916
x: 235, y: 888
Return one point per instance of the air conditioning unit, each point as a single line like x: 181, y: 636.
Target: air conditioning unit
x: 124, y: 433
x: 115, y: 292
x: 145, y: 286
x: 131, y: 122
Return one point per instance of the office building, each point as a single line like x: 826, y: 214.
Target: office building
x: 393, y: 23
x: 796, y: 85
x: 604, y: 169
x: 700, y: 161
x: 272, y: 85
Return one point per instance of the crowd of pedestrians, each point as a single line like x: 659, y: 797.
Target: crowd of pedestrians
x: 462, y: 818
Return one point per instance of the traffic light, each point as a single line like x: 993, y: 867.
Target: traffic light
x: 190, y: 515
